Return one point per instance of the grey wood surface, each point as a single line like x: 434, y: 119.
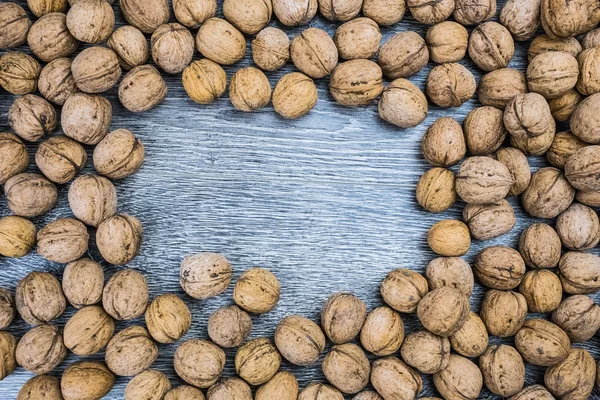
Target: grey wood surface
x: 326, y: 202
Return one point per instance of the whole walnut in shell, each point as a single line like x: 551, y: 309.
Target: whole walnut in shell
x: 484, y: 130
x: 474, y: 12
x: 491, y: 46
x: 87, y: 380
x: 205, y: 275
x: 294, y: 95
x: 503, y: 312
x: 146, y: 15
x: 358, y: 38
x: 403, y: 55
x: 172, y: 47
x: 431, y: 13
x: 271, y: 49
x: 14, y: 25
x: 347, y: 368
x: 383, y: 332
x: 563, y: 106
x: 282, y: 386
x: 472, y: 339
x: 319, y: 391
x: 519, y: 168
x: 450, y: 85
x: 119, y: 238
x: 589, y: 73
x: 581, y: 169
x: 83, y: 282
x: 295, y: 12
x: 578, y: 316
x: 528, y: 115
x: 447, y: 42
x: 248, y: 16
x: 199, y: 362
x: 229, y: 388
x: 8, y: 363
x: 548, y: 194
x: 584, y: 121
x: 426, y: 352
x: 150, y: 384
x: 488, y: 221
x: 314, y: 53
x: 498, y: 87
x: 32, y: 117
x: 8, y: 309
x: 461, y: 379
x: 340, y: 10
x: 565, y: 144
x: 540, y: 342
x: 125, y: 295
x: 257, y: 361
x: 19, y: 73
x: 482, y: 180
x: 60, y: 158
x: 443, y: 311
x: 572, y: 378
x: 221, y: 42
x: 13, y: 150
x: 40, y: 8
x: 591, y: 39
x: 578, y: 227
x: 343, y: 317
x: 552, y: 74
x: 192, y: 13
x: 435, y: 190
x: 119, y: 154
x: 168, y: 318
x: 86, y: 117
x: 299, y: 340
x: 49, y: 38
x: 521, y: 18
x: 579, y: 272
x: 91, y: 21
x: 392, y: 378
x: 184, y: 392
x: 588, y: 197
x: 40, y: 387
x: 499, y: 267
x: 257, y: 291
x: 131, y: 351
x: 544, y: 43
x: 450, y: 271
x: 92, y: 199
x: 96, y: 69
x: 563, y: 19
x: 130, y: 46
x: 63, y: 240
x: 384, y: 12
x: 230, y: 326
x: 204, y: 81
x: 533, y: 392
x: 249, y: 89
x: 542, y: 290
x: 17, y: 236
x: 402, y: 289
x: 88, y: 331
x: 449, y: 238
x: 142, y: 88
x: 356, y: 82
x: 443, y: 144
x: 41, y: 349
x: 533, y: 146
x: 503, y: 370
x: 30, y: 195
x: 403, y: 104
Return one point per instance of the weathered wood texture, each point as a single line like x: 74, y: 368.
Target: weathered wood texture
x: 326, y: 202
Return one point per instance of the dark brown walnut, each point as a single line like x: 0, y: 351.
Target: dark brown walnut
x: 403, y: 55
x: 368, y: 395
x: 63, y: 240
x: 484, y: 130
x: 429, y: 12
x: 271, y: 49
x: 499, y: 267
x: 249, y: 89
x: 563, y: 106
x: 8, y: 309
x: 204, y: 81
x: 544, y: 43
x: 552, y: 74
x: 574, y: 377
x: 125, y: 295
x: 588, y: 197
x: 88, y: 331
x: 578, y: 227
x: 221, y: 42
x: 91, y: 21
x: 589, y: 73
x: 92, y: 199
x: 503, y: 370
x: 483, y: 180
x: 342, y: 317
x: 248, y: 16
x: 205, y: 275
x: 150, y: 384
x: 461, y: 379
x: 591, y: 39
x: 533, y: 392
x: 32, y: 117
x: 528, y: 116
x: 579, y: 272
x: 393, y: 379
x: 172, y: 47
x: 548, y: 194
x: 19, y: 73
x: 402, y: 289
x: 299, y: 340
x: 229, y: 326
x: 503, y: 312
x: 119, y: 238
x: 142, y: 88
x: 403, y: 104
x: 443, y: 144
x: 199, y: 362
x: 565, y: 144
x: 356, y: 82
x: 472, y: 339
x: 44, y: 387
x: 83, y: 282
x: 357, y: 39
x: 86, y: 380
x: 435, y: 190
x: 491, y: 46
x: 30, y: 195
x: 192, y: 13
x: 450, y: 271
x: 257, y: 361
x: 474, y: 12
x: 168, y: 318
x: 118, y: 155
x: 578, y: 316
x: 86, y: 117
x: 96, y: 69
x: 383, y: 332
x: 449, y: 238
x: 336, y: 10
x: 584, y: 121
x: 447, y: 42
x: 542, y: 290
x: 60, y: 158
x: 443, y: 311
x: 49, y: 38
x: 17, y: 236
x: 488, y: 221
x: 518, y: 165
x: 582, y: 170
x: 540, y: 246
x: 40, y: 8
x: 426, y: 352
x: 498, y: 87
x: 319, y: 391
x: 131, y: 351
x: 14, y: 152
x: 146, y: 15
x: 542, y: 343
x: 450, y: 85
x: 229, y: 388
x: 386, y: 12
x: 8, y: 363
x: 347, y: 368
x: 184, y: 392
x: 536, y: 146
x: 564, y: 19
x: 41, y: 349
x: 295, y: 12
x: 257, y: 291
x: 130, y: 46
x: 14, y: 25
x: 282, y: 386
x: 521, y: 18
x: 314, y: 53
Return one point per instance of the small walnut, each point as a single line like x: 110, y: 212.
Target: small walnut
x: 536, y: 146
x: 257, y: 291
x: 384, y: 12
x: 125, y: 295
x: 8, y: 309
x: 63, y: 240
x: 503, y: 370
x: 19, y: 73
x: 589, y: 72
x: 92, y: 199
x: 403, y: 104
x: 40, y: 350
x: 294, y: 96
x: 248, y: 16
x: 86, y: 117
x: 193, y: 13
x: 343, y: 317
x: 299, y: 340
x: 172, y: 47
x: 88, y: 331
x: 295, y: 12
x: 498, y: 87
x: 460, y: 380
x: 282, y: 386
x: 87, y: 380
x: 150, y: 384
x: 83, y: 282
x: 472, y: 339
x: 49, y: 38
x: 96, y: 69
x: 356, y: 82
x: 30, y: 195
x: 533, y: 392
x: 205, y: 275
x: 357, y: 39
x: 503, y: 312
x: 447, y: 42
x: 443, y: 144
x: 450, y: 271
x: 521, y: 18
x: 403, y: 55
x: 579, y: 272
x: 314, y: 53
x: 491, y: 46
x: 168, y: 318
x: 435, y: 190
x: 257, y: 361
x: 383, y: 332
x: 564, y: 145
x: 584, y: 121
x: 204, y: 81
x: 578, y: 316
x: 544, y: 43
x: 488, y: 221
x: 484, y: 130
x: 528, y: 116
x: 8, y: 363
x: 578, y: 228
x: 581, y: 169
x: 229, y: 388
x: 563, y: 106
x: 17, y: 236
x: 540, y: 246
x: 221, y: 42
x: 146, y: 15
x: 142, y: 88
x: 518, y: 165
x: 271, y: 49
x: 32, y: 117
x: 320, y: 391
x: 588, y: 197
x: 431, y: 13
x: 499, y: 267
x: 450, y: 85
x: 40, y: 387
x: 542, y: 290
x: 402, y: 289
x: 119, y: 238
x: 14, y: 25
x: 229, y: 326
x: 40, y: 8
x: 563, y: 19
x: 542, y: 343
x: 574, y: 377
x: 119, y: 154
x: 15, y: 153
x: 443, y: 311
x: 548, y: 194
x: 184, y: 392
x: 392, y: 378
x: 483, y: 180
x: 426, y: 352
x: 340, y: 10
x: 249, y: 89
x: 130, y: 46
x: 474, y: 12
x: 199, y: 362
x: 131, y: 351
x: 60, y: 158
x: 91, y: 21
x: 449, y: 238
x: 347, y: 368
x: 552, y: 74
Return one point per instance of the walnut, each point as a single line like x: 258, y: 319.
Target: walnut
x: 92, y: 199
x: 384, y: 12
x: 221, y: 42
x: 257, y: 361
x: 314, y: 53
x: 19, y: 73
x: 367, y: 395
x: 184, y: 392
x: 392, y: 378
x: 581, y: 169
x: 146, y: 15
x: 533, y: 392
x: 30, y: 195
x: 230, y: 326
x: 562, y: 19
x: 130, y: 46
x: 552, y: 74
x: 536, y: 146
x: 60, y: 158
x: 8, y: 308
x: 283, y: 386
x: 542, y: 290
x: 13, y: 150
x: 142, y: 88
x: 343, y: 317
x: 499, y: 267
x: 204, y: 81
x: 32, y: 117
x: 491, y: 46
x: 249, y: 89
x: 461, y: 379
x: 403, y: 104
x: 402, y: 289
x: 83, y: 282
x: 295, y: 12
x: 426, y: 352
x: 540, y: 342
x: 484, y: 130
x: 548, y: 194
x: 540, y: 246
x: 299, y: 340
x: 271, y: 49
x: 482, y: 180
x: 199, y: 362
x: 503, y: 370
x: 294, y: 96
x: 521, y: 18
x: 86, y: 117
x: 172, y: 47
x: 403, y: 55
x: 431, y: 13
x: 14, y: 25
x: 248, y: 16
x: 358, y: 38
x: 443, y: 311
x: 488, y: 221
x: 230, y: 388
x: 447, y: 42
x: 88, y: 331
x: 503, y: 312
x: 474, y: 12
x: 40, y: 350
x: 96, y: 69
x: 40, y: 8
x: 257, y: 291
x: 584, y: 121
x: 8, y: 363
x: 498, y: 87
x: 450, y: 85
x: 17, y: 236
x: 340, y: 10
x: 119, y: 238
x: 50, y: 39
x: 91, y: 21
x: 443, y: 144
x: 131, y: 351
x: 518, y: 165
x: 356, y: 82
x: 40, y: 387
x: 579, y: 272
x: 472, y: 339
x: 193, y: 13
x: 564, y: 145
x: 544, y: 43
x: 205, y: 275
x: 150, y: 384
x: 578, y: 228
x: 449, y: 238
x: 589, y: 73
x: 87, y: 380
x: 435, y: 190
x: 450, y: 271
x: 591, y: 39
x: 320, y: 391
x: 119, y: 154
x: 563, y: 106
x: 383, y: 332
x: 168, y: 318
x: 125, y: 295
x: 63, y: 240
x: 578, y: 316
x: 588, y: 197
x: 528, y: 116
x: 347, y: 368
x: 572, y: 378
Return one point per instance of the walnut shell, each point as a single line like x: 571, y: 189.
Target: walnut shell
x: 130, y: 46
x: 367, y: 395
x: 319, y: 391
x: 271, y: 49
x: 19, y: 73
x: 204, y: 81
x: 229, y: 388
x: 579, y: 272
x: 572, y: 378
x: 581, y: 169
x: 544, y: 43
x: 503, y: 312
x: 92, y: 199
x: 552, y: 74
x: 131, y: 351
x: 584, y: 121
x: 540, y: 342
x: 548, y: 194
x: 221, y: 42
x: 60, y: 158
x: 443, y: 311
x: 193, y: 13
x: 294, y: 95
x: 402, y: 289
x: 257, y: 361
x: 119, y: 238
x: 8, y: 363
x: 40, y: 350
x: 8, y: 309
x: 435, y: 190
x: 536, y: 146
x: 199, y: 362
x: 343, y: 317
x: 88, y: 331
x: 426, y: 352
x: 563, y: 106
x: 91, y: 21
x: 96, y: 69
x: 431, y: 13
x: 40, y: 8
x: 450, y: 271
x: 474, y: 12
x: 118, y: 155
x: 489, y: 221
x: 184, y: 392
x: 63, y: 240
x: 461, y: 379
x: 533, y: 392
x: 205, y: 275
x: 13, y: 150
x: 30, y: 195
x: 521, y: 18
x: 41, y: 387
x: 528, y: 116
x: 49, y: 38
x: 249, y: 89
x: 588, y: 197
x: 248, y: 16
x: 403, y: 104
x: 443, y: 144
x: 347, y: 368
x: 150, y: 384
x: 447, y: 42
x: 449, y: 238
x: 540, y: 246
x: 168, y: 318
x: 340, y: 10
x: 356, y: 82
x: 125, y: 295
x: 384, y: 12
x: 589, y: 73
x: 87, y: 380
x: 142, y: 88
x: 491, y: 46
x: 358, y: 38
x: 542, y: 290
x: 393, y: 379
x: 86, y: 117
x: 383, y: 332
x: 14, y: 25
x: 282, y: 386
x: 503, y: 370
x: 498, y: 87
x: 17, y: 236
x: 403, y: 55
x: 230, y: 326
x: 578, y: 316
x: 591, y: 39
x: 299, y: 340
x: 483, y: 180
x: 578, y: 227
x: 561, y: 19
x: 565, y: 144
x: 295, y: 12
x: 172, y: 47
x: 83, y: 282
x: 472, y: 339
x: 518, y: 165
x: 499, y: 267
x: 484, y: 130
x: 146, y: 15
x: 314, y: 53
x: 450, y: 85
x: 257, y: 291
x: 32, y: 117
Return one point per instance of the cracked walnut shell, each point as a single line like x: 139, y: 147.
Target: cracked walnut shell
x: 299, y: 340
x: 168, y: 318
x: 131, y: 351
x: 257, y: 291
x: 125, y: 295
x: 92, y: 199
x: 60, y: 158
x: 118, y: 155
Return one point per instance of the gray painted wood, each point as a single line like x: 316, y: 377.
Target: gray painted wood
x: 326, y: 202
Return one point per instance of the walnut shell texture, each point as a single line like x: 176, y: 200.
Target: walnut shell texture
x: 91, y: 21
x: 450, y: 271
x: 49, y: 38
x: 443, y: 144
x: 499, y: 267
x: 257, y: 291
x: 205, y: 275
x: 387, y: 12
x: 229, y: 326
x: 248, y: 16
x: 86, y: 379
x: 443, y: 311
x: 542, y: 290
x: 119, y: 238
x: 572, y: 378
x: 392, y: 378
x: 130, y: 46
x: 92, y: 199
x: 13, y: 150
x: 403, y: 55
x: 32, y: 117
x: 548, y: 194
x: 491, y: 46
x: 584, y: 120
x: 146, y: 15
x: 96, y: 69
x: 184, y: 392
x: 14, y: 25
x: 431, y: 13
x: 449, y: 238
x: 83, y: 282
x: 447, y: 42
x: 503, y: 312
x: 30, y: 195
x: 19, y: 73
x: 579, y: 272
x: 172, y: 47
x: 489, y: 221
x: 540, y: 342
x: 357, y: 39
x: 552, y: 74
x: 39, y: 298
x: 192, y: 13
x: 347, y: 368
x: 356, y: 82
x: 230, y: 388
x: 168, y: 318
x: 299, y: 340
x: 383, y: 332
x: 450, y: 85
x: 282, y: 386
x: 503, y: 370
x: 403, y: 104
x: 41, y: 349
x: 221, y: 42
x: 8, y: 363
x: 63, y: 240
x: 521, y: 18
x: 578, y: 227
x: 204, y: 81
x: 426, y: 352
x: 8, y: 309
x: 143, y: 88
x: 461, y: 379
x: 88, y: 331
x: 118, y: 155
x: 271, y: 49
x: 40, y: 387
x: 249, y: 89
x: 498, y: 87
x: 295, y: 12
x: 86, y: 117
x: 402, y: 289
x: 131, y: 351
x: 17, y: 236
x: 472, y: 339
x: 294, y: 95
x: 482, y: 180
x: 314, y: 53
x: 257, y: 361
x: 125, y: 295
x: 60, y: 158
x: 199, y: 362
x: 565, y: 144
x: 578, y: 316
x: 320, y: 391
x: 150, y: 384
x: 474, y: 12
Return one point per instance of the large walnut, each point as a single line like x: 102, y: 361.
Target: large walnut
x: 39, y: 298
x: 578, y: 227
x: 118, y: 155
x: 443, y: 311
x: 584, y: 121
x: 402, y: 289
x: 499, y: 267
x: 248, y: 16
x: 17, y: 236
x: 295, y: 12
x: 63, y: 240
x: 299, y: 340
x: 521, y: 18
x: 249, y: 89
x: 91, y: 21
x: 271, y: 49
x: 564, y: 19
x: 19, y: 73
x: 143, y: 88
x: 483, y: 180
x: 581, y: 169
x: 41, y: 349
x: 491, y: 46
x: 130, y: 46
x: 193, y: 13
x: 528, y: 115
x: 443, y: 144
x: 150, y: 384
x: 572, y: 378
x: 314, y: 53
x: 552, y: 74
x: 131, y: 351
x: 340, y: 10
x: 86, y: 380
x: 578, y: 316
x: 40, y: 8
x: 503, y: 370
x: 168, y: 318
x: 14, y: 25
x: 580, y: 272
x: 488, y: 221
x: 342, y: 317
x: 204, y: 81
x: 548, y: 194
x: 563, y: 106
x: 88, y: 331
x: 544, y: 43
x: 565, y: 144
x: 471, y: 339
x: 125, y: 295
x: 403, y: 104
x: 229, y: 388
x: 498, y: 87
x: 447, y: 42
x: 199, y: 362
x: 221, y: 42
x: 49, y: 38
x: 357, y: 39
x: 450, y: 271
x: 282, y: 386
x: 484, y: 130
x: 431, y: 13
x: 60, y: 158
x: 146, y: 15
x: 257, y: 361
x: 542, y: 290
x: 450, y: 85
x: 386, y: 12
x: 403, y: 55
x: 356, y: 82
x: 347, y: 368
x: 449, y: 238
x: 383, y: 332
x: 542, y: 343
x: 44, y: 387
x: 172, y: 47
